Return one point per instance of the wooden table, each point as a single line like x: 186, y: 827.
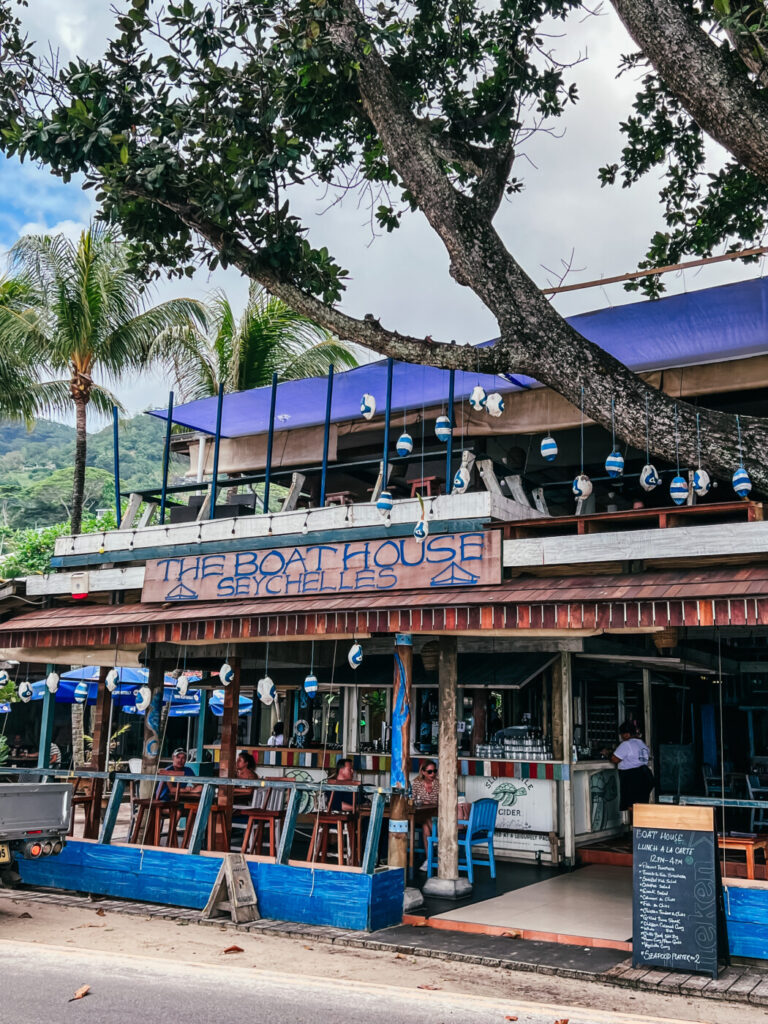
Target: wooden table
x: 748, y: 845
x: 416, y: 816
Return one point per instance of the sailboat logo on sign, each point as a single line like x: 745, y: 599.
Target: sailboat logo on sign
x: 181, y: 592
x: 453, y: 575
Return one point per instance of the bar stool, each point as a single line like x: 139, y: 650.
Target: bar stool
x: 423, y: 483
x: 346, y: 825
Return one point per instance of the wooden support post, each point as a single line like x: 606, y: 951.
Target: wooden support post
x: 447, y: 884
x: 113, y: 809
x: 397, y: 847
x: 228, y: 762
x: 562, y: 747
x: 99, y: 753
x: 647, y: 736
x: 46, y: 726
x: 479, y: 716
x: 150, y: 754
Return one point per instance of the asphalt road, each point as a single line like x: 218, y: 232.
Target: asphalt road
x: 37, y: 982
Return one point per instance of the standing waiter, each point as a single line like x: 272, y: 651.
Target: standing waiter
x: 636, y: 780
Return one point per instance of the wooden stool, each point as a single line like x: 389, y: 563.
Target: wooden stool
x: 258, y: 821
x: 346, y: 825
x: 423, y: 483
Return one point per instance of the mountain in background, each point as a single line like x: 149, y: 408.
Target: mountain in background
x: 36, y: 468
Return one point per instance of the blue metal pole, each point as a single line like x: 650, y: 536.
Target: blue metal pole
x: 200, y: 735
x: 270, y: 441
x: 46, y: 726
x: 116, y: 464
x: 449, y: 449
x: 216, y: 445
x: 326, y: 435
x: 166, y: 456
x: 387, y: 414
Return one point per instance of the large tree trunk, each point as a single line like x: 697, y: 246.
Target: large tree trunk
x: 78, y: 484
x: 78, y: 732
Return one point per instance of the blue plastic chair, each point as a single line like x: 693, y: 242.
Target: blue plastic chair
x: 479, y: 832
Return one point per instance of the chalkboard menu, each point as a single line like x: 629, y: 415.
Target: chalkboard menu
x: 678, y: 919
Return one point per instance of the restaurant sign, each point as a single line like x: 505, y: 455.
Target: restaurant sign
x: 392, y: 563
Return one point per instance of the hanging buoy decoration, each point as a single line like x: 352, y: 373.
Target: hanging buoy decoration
x: 226, y: 674
x: 182, y: 684
x: 461, y: 480
x: 443, y: 429
x: 421, y: 531
x: 4, y: 678
x: 113, y: 678
x: 355, y: 656
x: 265, y: 688
x: 404, y: 445
x: 494, y: 403
x: 52, y: 682
x: 582, y: 486
x: 702, y: 484
x: 678, y: 490
x: 478, y: 398
x: 548, y: 448
x: 310, y: 684
x: 25, y: 692
x: 81, y: 692
x: 384, y: 503
x: 649, y: 478
x: 368, y: 406
x: 614, y: 464
x: 142, y: 700
x: 741, y: 482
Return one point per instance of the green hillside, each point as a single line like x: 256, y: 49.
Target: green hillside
x: 36, y: 468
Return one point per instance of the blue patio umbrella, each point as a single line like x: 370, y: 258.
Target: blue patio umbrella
x: 189, y: 706
x: 130, y: 680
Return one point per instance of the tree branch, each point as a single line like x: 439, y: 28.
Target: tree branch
x: 708, y: 81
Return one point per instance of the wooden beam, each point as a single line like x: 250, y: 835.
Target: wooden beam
x: 706, y: 541
x: 228, y: 758
x: 294, y: 492
x: 397, y: 853
x: 516, y: 489
x: 99, y: 753
x: 447, y: 746
x: 488, y: 476
x: 134, y: 503
x: 150, y: 754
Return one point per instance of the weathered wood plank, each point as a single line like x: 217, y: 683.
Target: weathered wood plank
x: 134, y: 503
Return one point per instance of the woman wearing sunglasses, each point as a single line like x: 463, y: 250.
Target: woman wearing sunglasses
x: 425, y: 788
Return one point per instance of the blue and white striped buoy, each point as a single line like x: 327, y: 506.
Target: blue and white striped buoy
x: 368, y: 406
x: 25, y: 692
x: 494, y: 403
x: 404, y: 445
x: 355, y: 656
x: 741, y: 482
x: 310, y: 684
x: 81, y: 692
x: 582, y: 486
x: 384, y: 503
x: 614, y: 464
x: 460, y: 480
x: 678, y: 490
x: 649, y: 478
x: 421, y: 530
x: 143, y: 697
x: 702, y: 484
x: 478, y: 398
x: 549, y: 448
x: 443, y: 429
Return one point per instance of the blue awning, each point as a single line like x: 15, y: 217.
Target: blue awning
x: 711, y: 325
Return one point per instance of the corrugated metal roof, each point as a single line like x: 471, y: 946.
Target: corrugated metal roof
x: 728, y: 582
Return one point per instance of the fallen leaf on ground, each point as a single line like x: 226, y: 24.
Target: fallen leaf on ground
x: 25, y: 914
x: 239, y: 949
x: 101, y: 913
x: 510, y: 1018
x: 90, y: 926
x: 563, y: 1021
x: 81, y: 993
x: 436, y: 988
x: 309, y: 947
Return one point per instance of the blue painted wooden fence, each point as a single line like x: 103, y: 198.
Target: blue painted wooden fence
x: 344, y: 899
x: 747, y: 913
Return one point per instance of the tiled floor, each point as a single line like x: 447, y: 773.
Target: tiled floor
x: 592, y: 902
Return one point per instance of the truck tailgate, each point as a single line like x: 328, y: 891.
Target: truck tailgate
x: 34, y: 807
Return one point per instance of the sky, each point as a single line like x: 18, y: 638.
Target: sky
x: 563, y: 214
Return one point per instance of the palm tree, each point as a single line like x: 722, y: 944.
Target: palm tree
x: 86, y: 317
x: 242, y: 354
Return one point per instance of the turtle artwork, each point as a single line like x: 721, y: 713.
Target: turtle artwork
x: 507, y: 793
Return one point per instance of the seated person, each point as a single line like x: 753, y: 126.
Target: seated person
x: 277, y: 739
x: 179, y: 766
x: 339, y: 800
x: 245, y: 766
